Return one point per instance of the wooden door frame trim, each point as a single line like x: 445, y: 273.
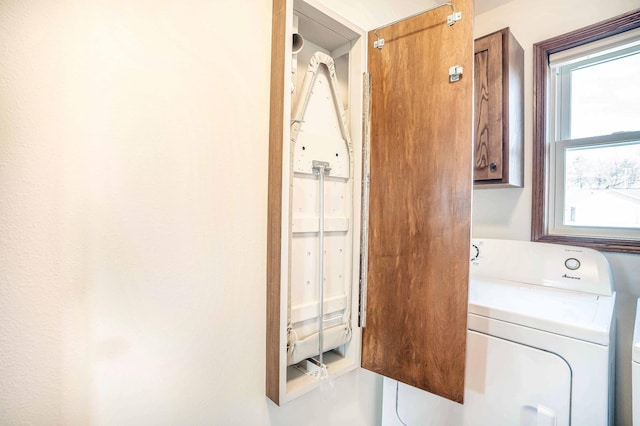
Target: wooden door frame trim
x: 274, y: 199
x: 541, y: 52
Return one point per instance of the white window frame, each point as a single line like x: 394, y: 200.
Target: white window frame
x: 557, y: 193
x: 559, y: 130
x: 551, y: 139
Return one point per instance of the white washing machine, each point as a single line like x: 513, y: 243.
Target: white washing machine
x: 540, y: 345
x: 635, y: 369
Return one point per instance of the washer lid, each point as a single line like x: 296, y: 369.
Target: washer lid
x: 577, y: 315
x: 636, y: 336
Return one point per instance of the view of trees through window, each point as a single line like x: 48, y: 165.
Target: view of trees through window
x: 599, y: 168
x: 603, y: 186
x: 602, y: 183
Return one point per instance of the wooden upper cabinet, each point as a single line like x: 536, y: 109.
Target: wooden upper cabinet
x: 499, y: 110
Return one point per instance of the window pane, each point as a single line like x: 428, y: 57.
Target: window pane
x: 605, y: 97
x: 602, y: 186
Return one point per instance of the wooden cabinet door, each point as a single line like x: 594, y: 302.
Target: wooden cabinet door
x: 420, y: 202
x: 488, y: 161
x: 499, y: 111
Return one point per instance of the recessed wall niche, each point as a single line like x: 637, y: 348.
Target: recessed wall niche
x: 319, y: 211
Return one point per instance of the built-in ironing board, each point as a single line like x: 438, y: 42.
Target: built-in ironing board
x: 321, y: 217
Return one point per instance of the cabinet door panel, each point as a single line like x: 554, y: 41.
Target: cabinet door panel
x: 488, y: 108
x: 420, y: 202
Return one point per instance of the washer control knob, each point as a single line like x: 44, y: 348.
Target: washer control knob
x: 572, y: 263
x: 475, y: 252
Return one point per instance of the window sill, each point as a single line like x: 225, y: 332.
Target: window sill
x: 601, y: 244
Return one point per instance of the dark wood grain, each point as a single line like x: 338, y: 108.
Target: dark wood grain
x: 488, y: 108
x: 541, y: 52
x: 499, y: 110
x: 420, y: 202
x: 274, y: 201
x: 481, y: 135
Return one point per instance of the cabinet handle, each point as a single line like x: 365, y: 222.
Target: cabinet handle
x: 493, y: 167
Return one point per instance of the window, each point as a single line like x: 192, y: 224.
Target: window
x: 586, y: 166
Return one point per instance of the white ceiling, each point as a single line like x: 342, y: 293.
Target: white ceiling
x: 372, y: 13
x: 482, y: 6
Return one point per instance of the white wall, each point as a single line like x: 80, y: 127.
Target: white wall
x: 133, y: 190
x: 134, y: 146
x: 506, y: 213
x: 133, y: 169
x: 369, y: 14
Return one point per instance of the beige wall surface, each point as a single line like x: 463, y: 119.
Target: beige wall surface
x: 133, y: 185
x: 133, y: 168
x: 506, y: 213
x: 133, y: 182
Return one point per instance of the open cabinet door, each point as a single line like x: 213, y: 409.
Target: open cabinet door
x: 420, y: 201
